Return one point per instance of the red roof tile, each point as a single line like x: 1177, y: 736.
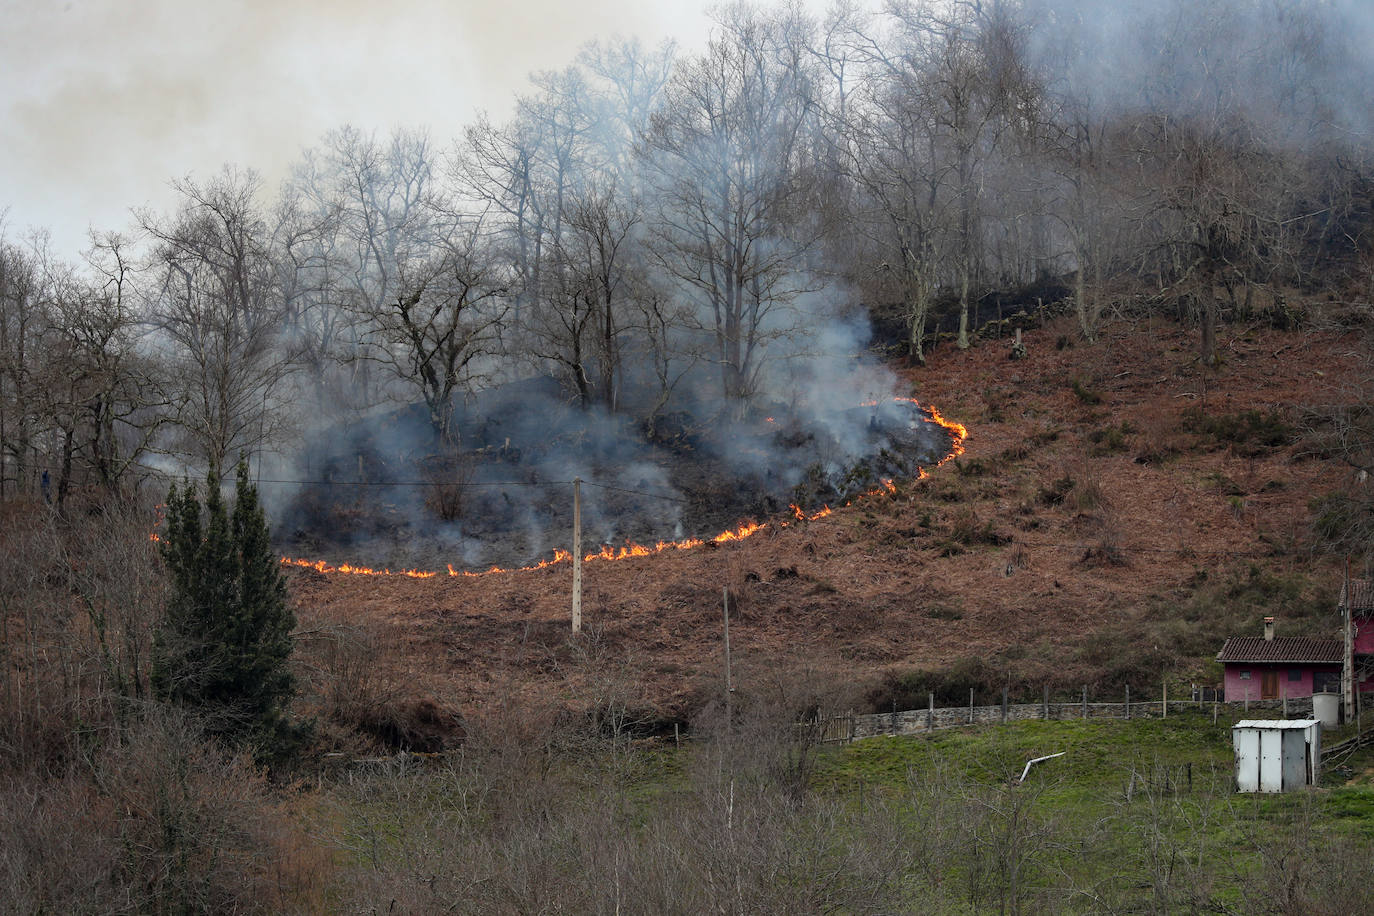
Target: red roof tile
x: 1281, y: 649
x: 1361, y: 594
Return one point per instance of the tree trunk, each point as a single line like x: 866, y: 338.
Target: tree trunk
x: 963, y: 305
x: 64, y: 478
x: 1209, y: 326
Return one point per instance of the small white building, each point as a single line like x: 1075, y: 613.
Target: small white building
x: 1276, y: 755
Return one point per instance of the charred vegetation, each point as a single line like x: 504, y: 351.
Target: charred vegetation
x: 496, y: 489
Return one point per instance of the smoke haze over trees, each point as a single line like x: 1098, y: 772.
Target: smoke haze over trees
x: 702, y: 282
x: 702, y: 235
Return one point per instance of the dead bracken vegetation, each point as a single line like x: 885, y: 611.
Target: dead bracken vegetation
x: 1106, y: 540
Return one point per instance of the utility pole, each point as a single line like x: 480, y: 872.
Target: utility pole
x: 1348, y: 652
x: 729, y: 682
x: 577, y: 556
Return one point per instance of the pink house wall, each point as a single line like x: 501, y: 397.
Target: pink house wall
x: 1237, y: 687
x: 1364, y: 636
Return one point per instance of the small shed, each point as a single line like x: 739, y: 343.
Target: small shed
x: 1276, y: 755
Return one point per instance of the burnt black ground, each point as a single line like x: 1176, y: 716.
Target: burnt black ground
x: 387, y: 491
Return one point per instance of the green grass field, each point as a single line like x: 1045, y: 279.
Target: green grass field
x: 1136, y: 816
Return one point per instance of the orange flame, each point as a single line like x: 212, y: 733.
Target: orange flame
x: 886, y: 487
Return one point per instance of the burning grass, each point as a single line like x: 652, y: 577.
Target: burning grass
x: 886, y: 487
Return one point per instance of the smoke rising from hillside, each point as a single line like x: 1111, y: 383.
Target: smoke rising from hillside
x: 658, y: 269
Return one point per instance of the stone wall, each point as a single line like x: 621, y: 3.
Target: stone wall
x: 915, y: 721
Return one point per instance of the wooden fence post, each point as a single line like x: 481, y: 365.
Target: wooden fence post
x: 1085, y: 702
x: 930, y: 715
x: 970, y: 706
x: 1004, y: 705
x: 1045, y: 706
x: 1128, y: 701
x: 1165, y: 705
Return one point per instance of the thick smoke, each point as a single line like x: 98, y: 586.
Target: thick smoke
x: 1299, y: 68
x: 661, y: 273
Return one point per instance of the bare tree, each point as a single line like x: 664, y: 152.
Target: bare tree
x: 893, y: 161
x: 585, y: 320
x: 108, y: 402
x: 724, y: 151
x: 217, y: 308
x: 443, y: 320
x: 965, y: 85
x: 18, y: 334
x: 358, y: 214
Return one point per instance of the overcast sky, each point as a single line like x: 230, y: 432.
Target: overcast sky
x: 103, y: 102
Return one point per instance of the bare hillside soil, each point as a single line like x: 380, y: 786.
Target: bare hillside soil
x: 1114, y: 516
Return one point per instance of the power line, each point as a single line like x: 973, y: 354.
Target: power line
x: 1179, y: 551
x: 467, y: 484
x: 606, y: 486
x: 423, y: 483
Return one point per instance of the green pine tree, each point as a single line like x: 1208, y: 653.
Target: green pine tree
x: 224, y: 642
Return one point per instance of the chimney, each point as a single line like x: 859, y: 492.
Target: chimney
x: 1268, y: 628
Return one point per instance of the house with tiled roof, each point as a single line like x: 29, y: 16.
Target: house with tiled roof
x: 1271, y: 667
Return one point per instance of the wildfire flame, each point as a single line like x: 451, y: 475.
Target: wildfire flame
x: 886, y: 487
x: 803, y: 516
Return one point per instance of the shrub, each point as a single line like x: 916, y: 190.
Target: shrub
x: 1248, y: 434
x: 156, y: 820
x: 966, y: 530
x: 912, y: 689
x: 1058, y: 491
x: 1086, y: 394
x: 1110, y: 439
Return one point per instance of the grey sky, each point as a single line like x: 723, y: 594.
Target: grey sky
x: 102, y: 102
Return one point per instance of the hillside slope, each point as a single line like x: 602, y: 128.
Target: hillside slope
x: 1111, y: 520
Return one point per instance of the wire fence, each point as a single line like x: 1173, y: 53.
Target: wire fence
x: 840, y: 729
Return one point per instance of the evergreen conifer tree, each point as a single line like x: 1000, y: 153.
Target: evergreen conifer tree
x: 224, y: 642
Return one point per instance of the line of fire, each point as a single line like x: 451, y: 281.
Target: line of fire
x: 887, y: 487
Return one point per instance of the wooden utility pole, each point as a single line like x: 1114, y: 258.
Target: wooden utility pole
x: 729, y: 681
x: 1348, y: 653
x: 725, y: 606
x: 577, y: 556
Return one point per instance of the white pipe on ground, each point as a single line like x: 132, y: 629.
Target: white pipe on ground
x: 1030, y: 763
